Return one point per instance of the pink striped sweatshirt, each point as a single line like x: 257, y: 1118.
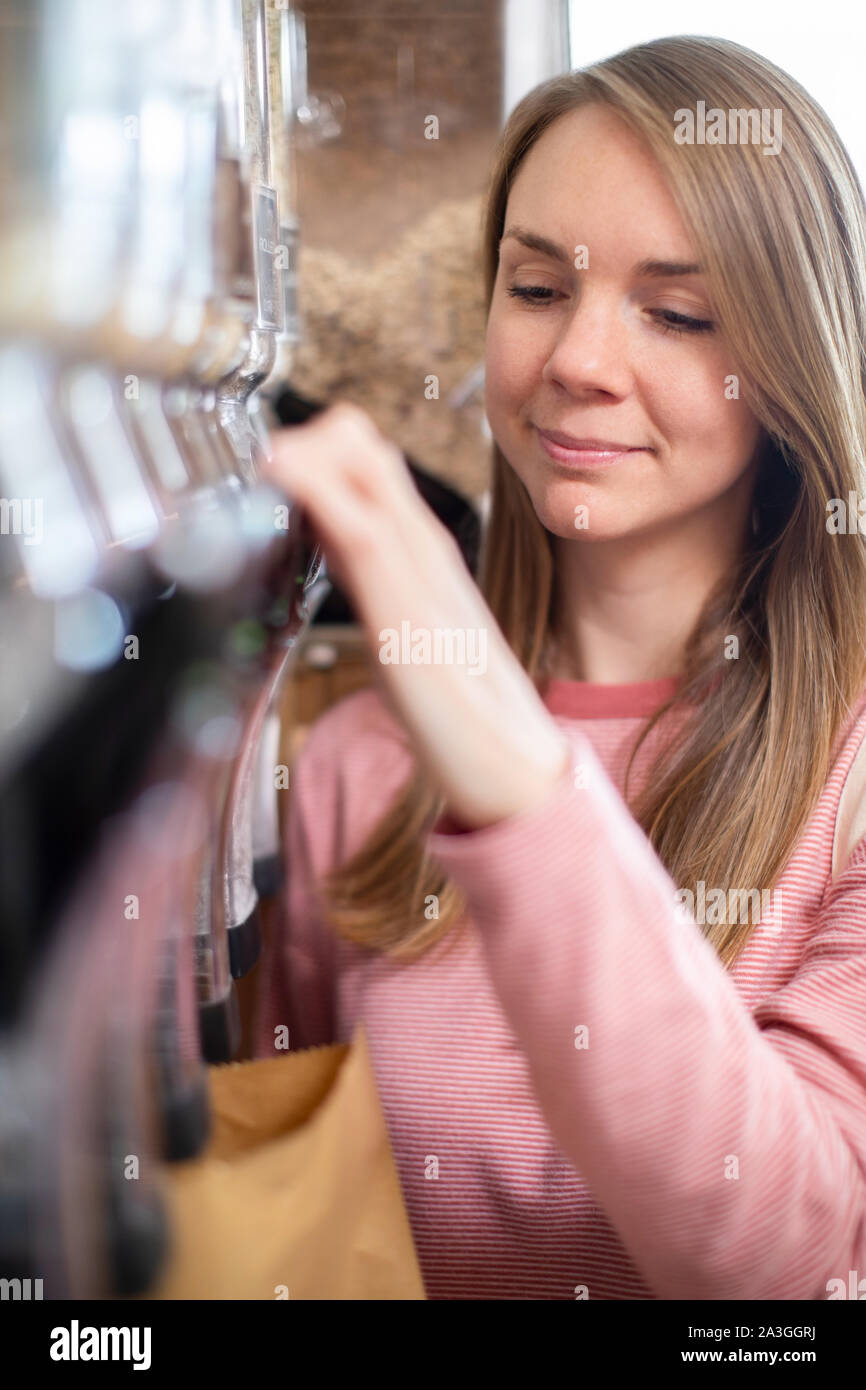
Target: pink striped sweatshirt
x: 582, y: 1101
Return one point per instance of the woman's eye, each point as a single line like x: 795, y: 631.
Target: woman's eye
x: 532, y: 294
x: 669, y: 321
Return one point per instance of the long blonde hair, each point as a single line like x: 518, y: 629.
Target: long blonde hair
x: 784, y: 242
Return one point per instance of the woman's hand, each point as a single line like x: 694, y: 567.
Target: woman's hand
x: 474, y: 718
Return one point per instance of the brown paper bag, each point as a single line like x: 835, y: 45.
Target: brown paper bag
x: 297, y: 1194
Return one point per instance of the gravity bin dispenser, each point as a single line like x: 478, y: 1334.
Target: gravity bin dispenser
x: 153, y: 591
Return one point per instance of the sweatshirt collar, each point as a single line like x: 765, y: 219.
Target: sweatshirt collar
x: 593, y: 700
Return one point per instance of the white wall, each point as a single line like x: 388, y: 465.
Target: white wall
x: 822, y: 46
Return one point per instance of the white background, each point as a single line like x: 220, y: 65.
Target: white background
x: 822, y: 46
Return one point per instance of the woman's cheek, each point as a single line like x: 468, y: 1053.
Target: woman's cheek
x: 510, y: 375
x: 724, y: 425
x: 501, y: 390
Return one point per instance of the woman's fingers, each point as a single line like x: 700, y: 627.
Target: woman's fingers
x: 356, y: 489
x: 482, y: 733
x: 359, y: 494
x: 344, y: 443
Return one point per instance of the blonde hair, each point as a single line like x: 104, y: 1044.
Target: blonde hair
x: 782, y: 239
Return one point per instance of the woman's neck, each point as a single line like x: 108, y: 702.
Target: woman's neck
x: 626, y: 616
x: 609, y: 667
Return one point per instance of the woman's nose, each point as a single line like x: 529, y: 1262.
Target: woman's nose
x: 591, y: 350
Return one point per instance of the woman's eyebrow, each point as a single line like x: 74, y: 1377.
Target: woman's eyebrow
x: 648, y: 269
x: 665, y: 270
x: 536, y: 243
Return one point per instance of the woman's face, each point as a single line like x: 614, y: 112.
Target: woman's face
x: 594, y: 353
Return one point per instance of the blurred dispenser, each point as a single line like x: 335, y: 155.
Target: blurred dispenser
x: 152, y: 589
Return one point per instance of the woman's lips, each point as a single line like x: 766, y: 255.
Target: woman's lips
x: 583, y: 457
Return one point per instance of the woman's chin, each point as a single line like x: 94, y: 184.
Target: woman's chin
x: 586, y: 524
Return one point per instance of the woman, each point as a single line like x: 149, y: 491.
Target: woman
x: 523, y: 876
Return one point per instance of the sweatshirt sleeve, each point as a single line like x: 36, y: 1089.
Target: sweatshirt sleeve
x: 727, y: 1147
x: 297, y: 970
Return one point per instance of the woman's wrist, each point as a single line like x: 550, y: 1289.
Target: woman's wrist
x: 526, y: 786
